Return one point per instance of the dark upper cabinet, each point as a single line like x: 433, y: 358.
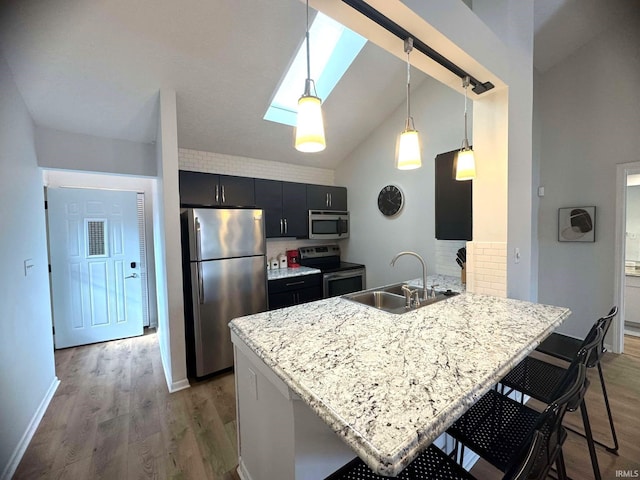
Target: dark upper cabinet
x: 322, y: 197
x: 209, y: 189
x: 295, y: 210
x: 285, y: 207
x: 454, y: 212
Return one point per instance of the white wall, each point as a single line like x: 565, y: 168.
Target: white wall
x: 590, y: 117
x: 65, y: 178
x: 375, y: 239
x: 511, y: 157
x: 76, y: 151
x: 167, y: 245
x: 27, y: 376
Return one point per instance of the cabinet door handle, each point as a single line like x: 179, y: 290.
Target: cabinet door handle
x: 286, y: 227
x: 294, y: 283
x: 223, y: 199
x: 217, y: 194
x: 281, y: 227
x: 330, y: 200
x: 327, y: 200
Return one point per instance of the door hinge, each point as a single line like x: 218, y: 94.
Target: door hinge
x: 53, y: 328
x: 46, y: 205
x: 49, y: 268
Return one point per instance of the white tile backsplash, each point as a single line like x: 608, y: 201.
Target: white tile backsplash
x: 210, y: 162
x: 487, y: 268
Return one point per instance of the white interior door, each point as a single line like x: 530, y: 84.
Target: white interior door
x: 95, y: 265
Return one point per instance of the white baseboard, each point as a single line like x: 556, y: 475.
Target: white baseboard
x: 171, y: 385
x: 632, y: 330
x: 179, y: 385
x: 14, y: 461
x: 242, y: 471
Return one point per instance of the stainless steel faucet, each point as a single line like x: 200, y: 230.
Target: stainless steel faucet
x: 425, y: 291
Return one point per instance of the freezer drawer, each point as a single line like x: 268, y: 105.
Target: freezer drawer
x: 223, y: 290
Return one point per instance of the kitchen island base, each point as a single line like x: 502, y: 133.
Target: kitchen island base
x: 279, y: 436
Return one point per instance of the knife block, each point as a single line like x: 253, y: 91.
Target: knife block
x: 463, y: 274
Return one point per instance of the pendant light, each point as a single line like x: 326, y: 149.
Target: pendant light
x: 465, y: 164
x: 409, y: 144
x: 309, y: 134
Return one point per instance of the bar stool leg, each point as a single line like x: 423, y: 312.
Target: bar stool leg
x: 592, y: 448
x: 606, y: 402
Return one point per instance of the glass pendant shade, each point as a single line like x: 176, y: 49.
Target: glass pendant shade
x: 465, y: 165
x: 309, y: 125
x: 409, y: 157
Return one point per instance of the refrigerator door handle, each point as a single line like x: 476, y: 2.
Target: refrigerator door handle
x: 200, y: 284
x: 197, y: 235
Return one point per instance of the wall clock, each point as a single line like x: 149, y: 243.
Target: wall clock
x: 390, y: 200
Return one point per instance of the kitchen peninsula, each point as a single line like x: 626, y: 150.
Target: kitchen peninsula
x: 318, y: 384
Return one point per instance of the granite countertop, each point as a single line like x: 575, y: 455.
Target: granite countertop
x: 279, y: 273
x: 441, y: 282
x: 388, y: 384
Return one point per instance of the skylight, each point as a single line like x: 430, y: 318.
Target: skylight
x: 333, y: 48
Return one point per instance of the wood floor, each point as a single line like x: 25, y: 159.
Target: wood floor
x: 113, y: 418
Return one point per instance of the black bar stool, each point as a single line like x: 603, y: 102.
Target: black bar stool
x: 540, y: 380
x: 566, y: 348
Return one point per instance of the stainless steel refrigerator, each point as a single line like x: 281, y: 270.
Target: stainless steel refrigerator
x: 225, y: 277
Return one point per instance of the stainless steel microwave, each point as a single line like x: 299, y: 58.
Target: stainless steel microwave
x: 328, y: 225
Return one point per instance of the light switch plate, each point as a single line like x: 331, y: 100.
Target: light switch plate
x: 28, y: 264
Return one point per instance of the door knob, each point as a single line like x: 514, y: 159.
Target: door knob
x: 133, y: 275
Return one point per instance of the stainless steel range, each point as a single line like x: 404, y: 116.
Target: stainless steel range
x: 338, y: 277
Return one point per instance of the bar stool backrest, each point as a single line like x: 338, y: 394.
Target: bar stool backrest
x: 548, y: 435
x: 604, y: 323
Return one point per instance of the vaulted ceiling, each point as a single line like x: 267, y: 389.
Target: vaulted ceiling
x: 96, y: 67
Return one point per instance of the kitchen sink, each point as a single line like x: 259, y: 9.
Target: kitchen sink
x: 378, y: 299
x: 391, y: 298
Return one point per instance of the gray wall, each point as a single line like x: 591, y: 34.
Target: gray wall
x: 632, y: 250
x: 27, y: 375
x: 375, y: 239
x: 590, y: 116
x: 76, y: 151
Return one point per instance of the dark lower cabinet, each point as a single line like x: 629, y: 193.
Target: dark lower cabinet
x: 290, y: 291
